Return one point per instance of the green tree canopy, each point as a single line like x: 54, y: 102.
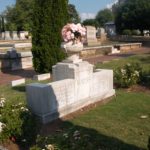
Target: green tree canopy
x: 20, y: 15
x: 104, y: 16
x: 133, y: 14
x: 91, y: 22
x: 73, y: 14
x: 48, y: 19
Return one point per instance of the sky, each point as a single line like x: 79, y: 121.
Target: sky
x: 86, y: 8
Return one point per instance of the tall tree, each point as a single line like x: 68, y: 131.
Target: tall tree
x: 91, y: 22
x: 48, y: 19
x: 133, y: 14
x: 73, y: 14
x: 104, y: 16
x: 20, y: 15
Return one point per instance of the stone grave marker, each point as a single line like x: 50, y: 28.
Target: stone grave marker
x: 42, y: 77
x: 7, y: 35
x: 15, y: 35
x: 91, y: 39
x: 22, y: 35
x: 17, y: 82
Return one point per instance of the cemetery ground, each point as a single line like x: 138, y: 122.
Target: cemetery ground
x: 122, y: 123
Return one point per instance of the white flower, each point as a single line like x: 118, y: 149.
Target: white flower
x: 2, y: 102
x: 2, y: 125
x: 24, y: 140
x: 123, y: 71
x: 136, y: 72
x: 49, y: 147
x: 65, y: 135
x: 24, y: 109
x: 128, y: 64
x: 76, y: 135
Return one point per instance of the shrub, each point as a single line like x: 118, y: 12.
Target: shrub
x: 17, y: 123
x: 46, y: 33
x: 70, y: 140
x: 128, y: 75
x: 126, y: 32
x: 135, y: 32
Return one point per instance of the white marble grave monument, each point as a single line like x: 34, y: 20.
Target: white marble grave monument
x: 74, y: 86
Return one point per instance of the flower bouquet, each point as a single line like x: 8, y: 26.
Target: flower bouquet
x: 73, y: 35
x: 73, y: 32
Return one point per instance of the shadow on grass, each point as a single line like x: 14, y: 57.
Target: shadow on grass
x: 72, y: 137
x: 20, y: 88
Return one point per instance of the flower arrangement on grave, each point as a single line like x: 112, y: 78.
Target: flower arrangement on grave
x: 73, y: 33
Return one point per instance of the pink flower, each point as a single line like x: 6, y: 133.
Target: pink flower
x: 72, y: 32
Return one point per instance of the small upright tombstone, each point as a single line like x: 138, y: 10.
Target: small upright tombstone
x: 2, y: 35
x: 15, y: 35
x: 91, y: 39
x: 103, y: 35
x: 22, y: 35
x: 7, y: 35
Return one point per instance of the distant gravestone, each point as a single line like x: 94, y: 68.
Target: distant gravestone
x: 7, y: 35
x: 22, y: 35
x: 103, y: 35
x: 91, y: 39
x: 17, y: 82
x: 3, y: 35
x: 42, y: 77
x: 15, y: 35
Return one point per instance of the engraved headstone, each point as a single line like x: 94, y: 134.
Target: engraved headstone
x: 91, y: 39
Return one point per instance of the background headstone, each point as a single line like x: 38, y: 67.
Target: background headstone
x: 15, y: 35
x: 91, y: 39
x: 7, y: 35
x: 103, y: 35
x: 22, y: 35
x: 2, y: 37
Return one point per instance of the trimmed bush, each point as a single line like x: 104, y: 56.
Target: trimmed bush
x: 48, y: 19
x: 128, y: 75
x: 135, y: 32
x: 126, y: 32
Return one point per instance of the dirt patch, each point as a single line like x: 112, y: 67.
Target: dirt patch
x: 138, y: 88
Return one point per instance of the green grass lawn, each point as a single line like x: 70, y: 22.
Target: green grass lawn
x: 120, y: 120
x: 143, y: 60
x: 116, y: 125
